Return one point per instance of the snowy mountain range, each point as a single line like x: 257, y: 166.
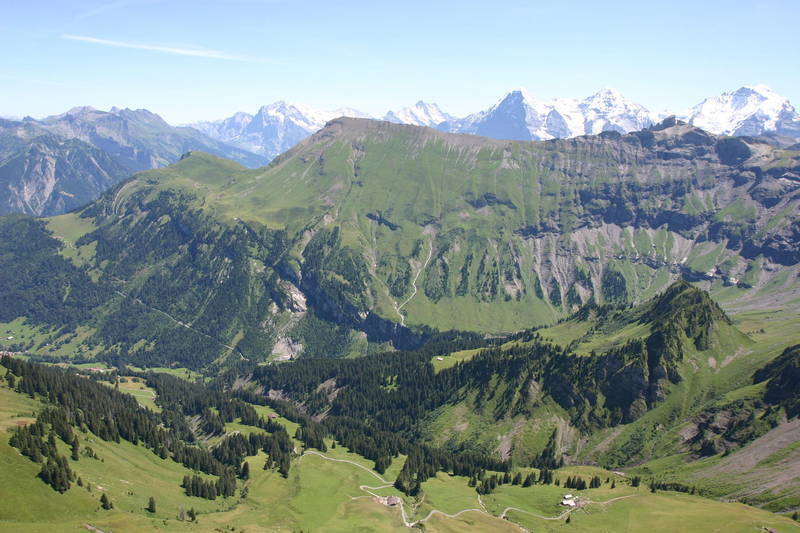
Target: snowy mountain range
x: 520, y: 116
x: 750, y: 110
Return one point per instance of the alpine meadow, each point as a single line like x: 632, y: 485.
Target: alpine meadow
x: 555, y: 313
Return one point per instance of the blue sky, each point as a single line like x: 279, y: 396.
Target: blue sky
x: 208, y: 59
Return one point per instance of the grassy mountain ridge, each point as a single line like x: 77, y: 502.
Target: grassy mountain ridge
x: 516, y: 233
x: 370, y: 232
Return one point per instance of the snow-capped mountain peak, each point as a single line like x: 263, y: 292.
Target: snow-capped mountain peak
x: 608, y: 109
x: 349, y: 112
x: 420, y: 114
x: 749, y: 110
x: 521, y: 116
x: 274, y: 128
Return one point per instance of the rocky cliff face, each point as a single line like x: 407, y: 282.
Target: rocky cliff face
x: 50, y: 176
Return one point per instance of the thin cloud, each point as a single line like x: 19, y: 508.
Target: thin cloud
x: 103, y: 8
x: 193, y: 52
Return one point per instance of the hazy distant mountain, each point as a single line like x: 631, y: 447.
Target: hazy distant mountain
x: 420, y: 114
x: 44, y: 174
x: 139, y: 139
x: 56, y: 164
x: 749, y: 110
x: 274, y: 128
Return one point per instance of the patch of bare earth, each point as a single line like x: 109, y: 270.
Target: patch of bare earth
x: 506, y: 445
x: 744, y: 465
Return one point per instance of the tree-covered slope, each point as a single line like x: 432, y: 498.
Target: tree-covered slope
x: 78, y: 452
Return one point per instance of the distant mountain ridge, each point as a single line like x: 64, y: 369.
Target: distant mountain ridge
x: 64, y: 161
x: 420, y: 114
x: 139, y: 139
x: 518, y: 115
x: 52, y: 178
x: 42, y: 173
x: 749, y: 110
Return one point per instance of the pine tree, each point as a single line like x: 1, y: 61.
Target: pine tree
x: 245, y: 473
x: 151, y: 505
x: 106, y: 503
x: 75, y: 448
x: 192, y: 514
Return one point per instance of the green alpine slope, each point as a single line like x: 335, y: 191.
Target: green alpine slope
x: 327, y: 487
x: 371, y: 233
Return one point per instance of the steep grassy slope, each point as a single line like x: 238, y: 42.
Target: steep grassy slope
x: 371, y: 232
x: 465, y: 232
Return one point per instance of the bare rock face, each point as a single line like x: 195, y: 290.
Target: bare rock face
x: 286, y: 349
x: 51, y: 176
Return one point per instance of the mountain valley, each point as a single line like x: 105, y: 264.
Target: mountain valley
x: 455, y: 329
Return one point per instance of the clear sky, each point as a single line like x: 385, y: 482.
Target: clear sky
x: 207, y: 59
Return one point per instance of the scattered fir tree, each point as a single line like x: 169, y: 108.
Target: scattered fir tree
x: 105, y: 502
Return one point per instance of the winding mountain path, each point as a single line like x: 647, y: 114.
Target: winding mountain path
x: 408, y: 523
